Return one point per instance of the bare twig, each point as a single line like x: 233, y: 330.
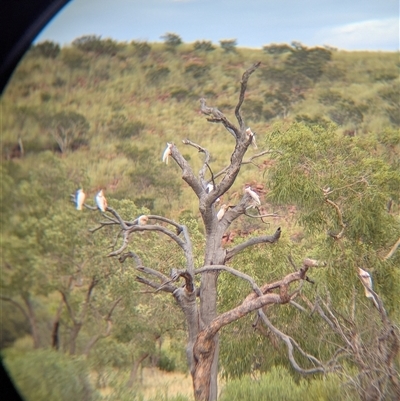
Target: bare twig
x: 206, y: 160
x: 340, y: 217
x: 243, y: 87
x: 253, y: 241
x: 392, y: 250
x: 291, y: 344
x: 248, y: 161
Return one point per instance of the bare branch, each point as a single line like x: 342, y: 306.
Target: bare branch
x: 15, y: 303
x: 155, y: 285
x: 233, y: 271
x: 103, y: 224
x: 70, y: 310
x: 253, y: 241
x: 254, y: 301
x: 248, y: 161
x: 113, y: 306
x: 243, y: 87
x: 187, y: 172
x: 261, y: 216
x: 186, y: 244
x: 125, y: 242
x: 392, y: 250
x: 291, y: 343
x: 340, y: 217
x: 206, y: 159
x: 218, y: 117
x: 119, y: 218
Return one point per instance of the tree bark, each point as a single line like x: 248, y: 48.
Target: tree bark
x: 135, y: 367
x: 32, y: 322
x: 55, y: 340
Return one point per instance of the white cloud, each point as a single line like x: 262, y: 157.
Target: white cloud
x: 365, y: 35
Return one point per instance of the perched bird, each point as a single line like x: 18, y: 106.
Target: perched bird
x: 167, y: 153
x: 367, y: 283
x: 251, y: 135
x: 222, y: 211
x: 142, y: 220
x: 80, y: 197
x: 101, y: 201
x: 254, y: 195
x: 210, y: 187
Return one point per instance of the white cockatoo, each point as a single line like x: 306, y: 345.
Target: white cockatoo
x: 222, y: 211
x: 251, y: 135
x: 210, y: 187
x: 167, y: 153
x: 367, y: 283
x: 142, y: 220
x: 101, y: 201
x: 254, y: 195
x: 80, y: 197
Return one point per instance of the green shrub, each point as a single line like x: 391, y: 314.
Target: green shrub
x: 94, y: 44
x: 142, y: 49
x: 171, y: 40
x: 279, y: 385
x: 46, y: 49
x: 204, y: 45
x: 166, y: 363
x: 228, y: 45
x: 46, y: 375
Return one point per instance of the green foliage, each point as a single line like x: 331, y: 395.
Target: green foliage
x: 68, y: 128
x: 341, y: 110
x: 46, y: 49
x: 275, y: 49
x: 48, y: 375
x: 74, y: 58
x: 228, y: 45
x: 142, y: 49
x: 156, y: 74
x: 197, y: 70
x: 128, y: 115
x: 121, y: 127
x: 308, y: 61
x: 278, y: 385
x: 180, y: 94
x: 94, y: 44
x: 166, y: 363
x: 203, y: 46
x: 313, y: 159
x: 313, y: 121
x: 171, y: 41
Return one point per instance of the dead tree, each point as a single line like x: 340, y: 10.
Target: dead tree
x: 199, y: 305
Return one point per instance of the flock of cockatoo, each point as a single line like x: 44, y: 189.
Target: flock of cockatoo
x: 101, y: 203
x: 100, y: 199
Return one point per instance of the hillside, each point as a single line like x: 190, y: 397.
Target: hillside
x: 98, y: 115
x: 133, y: 98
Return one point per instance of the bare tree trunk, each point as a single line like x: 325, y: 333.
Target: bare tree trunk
x: 32, y: 321
x: 55, y: 340
x: 74, y: 334
x: 30, y: 316
x: 208, y: 311
x: 135, y: 367
x: 107, y: 331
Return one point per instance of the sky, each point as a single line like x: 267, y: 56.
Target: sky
x: 343, y: 24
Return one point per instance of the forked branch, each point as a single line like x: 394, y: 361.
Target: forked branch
x: 243, y: 88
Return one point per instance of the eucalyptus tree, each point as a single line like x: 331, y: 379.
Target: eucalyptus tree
x: 198, y: 302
